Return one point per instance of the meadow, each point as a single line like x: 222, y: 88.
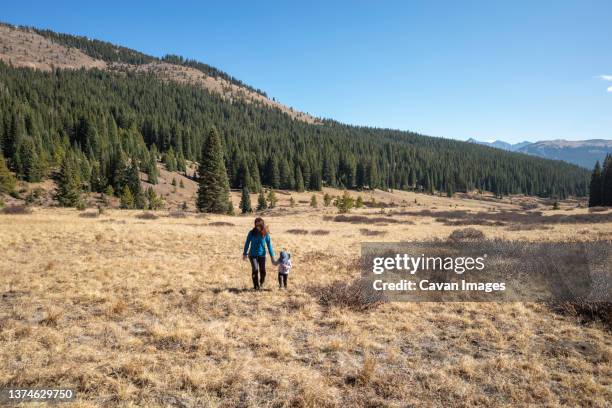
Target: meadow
x: 156, y: 309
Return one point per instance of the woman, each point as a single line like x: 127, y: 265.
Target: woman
x: 258, y: 238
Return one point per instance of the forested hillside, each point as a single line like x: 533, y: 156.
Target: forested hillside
x: 106, y: 123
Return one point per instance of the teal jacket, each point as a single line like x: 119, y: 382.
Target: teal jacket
x: 258, y: 245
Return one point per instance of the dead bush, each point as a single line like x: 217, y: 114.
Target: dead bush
x: 221, y: 224
x: 320, y: 232
x: 587, y: 311
x: 177, y: 214
x: 473, y: 221
x: 356, y: 295
x: 17, y: 209
x: 297, y: 231
x: 147, y: 216
x: 466, y: 234
x: 363, y: 219
x: 597, y: 209
x: 371, y: 233
x: 528, y: 227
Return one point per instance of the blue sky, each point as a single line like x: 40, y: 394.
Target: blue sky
x: 510, y: 70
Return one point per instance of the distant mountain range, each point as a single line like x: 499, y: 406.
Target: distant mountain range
x: 581, y: 152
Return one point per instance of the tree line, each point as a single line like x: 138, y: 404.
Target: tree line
x: 110, y: 124
x: 600, y: 188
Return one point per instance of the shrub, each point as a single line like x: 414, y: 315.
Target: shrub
x: 313, y: 201
x: 272, y: 200
x: 371, y: 233
x: 466, y: 234
x: 147, y: 216
x: 262, y: 204
x: 363, y: 219
x: 221, y: 224
x: 359, y: 202
x: 587, y: 311
x: 89, y: 214
x: 297, y: 231
x: 327, y: 199
x: 345, y: 203
x: 320, y: 232
x: 17, y: 209
x: 353, y: 295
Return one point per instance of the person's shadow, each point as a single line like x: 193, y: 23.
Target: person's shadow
x: 238, y: 291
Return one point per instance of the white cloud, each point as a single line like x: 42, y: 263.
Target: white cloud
x: 606, y: 77
x: 610, y: 89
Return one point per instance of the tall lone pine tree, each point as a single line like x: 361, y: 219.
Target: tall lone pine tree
x: 213, y: 191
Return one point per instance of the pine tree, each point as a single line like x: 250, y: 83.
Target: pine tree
x: 606, y: 182
x: 262, y: 204
x: 327, y: 199
x: 287, y: 180
x: 109, y: 191
x: 272, y: 199
x: 243, y: 176
x: 313, y: 201
x: 345, y: 203
x: 132, y: 180
x: 127, y: 198
x: 360, y: 176
x: 255, y: 185
x: 299, y: 179
x: 7, y: 180
x: 230, y: 208
x: 412, y: 179
x: 69, y: 182
x: 595, y: 188
x: 97, y: 181
x: 154, y: 202
x: 275, y: 174
x: 359, y: 202
x: 181, y: 184
x: 315, y: 180
x: 213, y: 190
x: 245, y: 201
x: 372, y: 175
x: 151, y: 170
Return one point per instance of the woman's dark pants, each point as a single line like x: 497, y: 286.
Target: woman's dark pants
x: 258, y: 269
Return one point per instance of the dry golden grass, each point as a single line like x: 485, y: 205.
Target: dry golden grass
x: 134, y: 312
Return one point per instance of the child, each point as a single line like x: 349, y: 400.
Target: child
x: 284, y: 266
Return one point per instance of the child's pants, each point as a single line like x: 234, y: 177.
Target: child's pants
x: 282, y: 280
